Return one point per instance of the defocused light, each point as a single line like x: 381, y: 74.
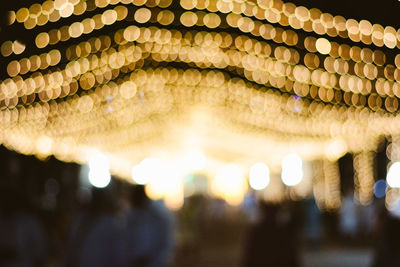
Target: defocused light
x: 128, y: 89
x: 336, y: 149
x: 166, y: 183
x: 6, y: 48
x: 292, y: 170
x: 394, y: 208
x: 18, y: 47
x: 142, y: 15
x: 259, y: 176
x: 380, y: 188
x: 229, y: 184
x: 44, y: 145
x: 323, y: 46
x: 393, y: 175
x: 133, y: 95
x: 195, y: 161
x: 99, y: 171
x: 145, y: 171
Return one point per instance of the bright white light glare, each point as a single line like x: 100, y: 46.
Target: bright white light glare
x: 230, y: 184
x: 292, y: 170
x: 393, y: 175
x: 144, y: 172
x: 259, y: 176
x: 99, y: 171
x: 195, y: 161
x: 166, y: 183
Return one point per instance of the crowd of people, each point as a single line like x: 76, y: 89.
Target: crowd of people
x: 132, y: 231
x: 140, y: 233
x: 22, y: 238
x: 272, y: 239
x: 124, y: 228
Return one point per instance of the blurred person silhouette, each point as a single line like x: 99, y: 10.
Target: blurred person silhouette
x: 94, y: 233
x: 271, y: 241
x: 349, y: 218
x: 192, y: 220
x: 249, y: 206
x: 22, y: 238
x: 388, y: 230
x: 148, y: 238
x: 313, y: 227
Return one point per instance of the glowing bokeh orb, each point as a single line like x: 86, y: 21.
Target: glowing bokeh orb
x: 292, y: 170
x: 259, y: 176
x: 393, y: 175
x: 99, y: 171
x: 323, y: 46
x: 144, y: 172
x: 195, y: 161
x: 230, y: 184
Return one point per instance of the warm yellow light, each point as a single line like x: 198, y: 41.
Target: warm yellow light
x: 76, y: 30
x: 336, y: 149
x: 18, y: 47
x: 42, y: 39
x: 229, y: 184
x: 188, y: 19
x: 165, y: 17
x: 166, y: 184
x: 66, y: 10
x: 13, y: 68
x: 323, y: 46
x: 109, y: 17
x: 44, y: 145
x: 128, y: 89
x: 7, y: 48
x: 145, y: 171
x: 123, y: 93
x: 22, y: 15
x: 142, y: 15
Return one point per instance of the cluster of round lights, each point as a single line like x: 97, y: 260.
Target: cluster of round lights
x: 190, y: 78
x: 181, y: 88
x: 326, y: 185
x: 259, y: 176
x: 52, y: 11
x: 310, y: 20
x: 102, y: 87
x: 8, y: 47
x: 364, y: 177
x: 77, y: 29
x: 49, y: 11
x: 357, y: 84
x: 33, y: 63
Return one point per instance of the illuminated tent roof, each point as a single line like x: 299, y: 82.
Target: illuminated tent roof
x: 239, y: 80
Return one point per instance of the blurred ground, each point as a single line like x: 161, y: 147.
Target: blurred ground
x: 222, y: 248
x: 338, y: 257
x: 225, y: 256
x: 218, y: 246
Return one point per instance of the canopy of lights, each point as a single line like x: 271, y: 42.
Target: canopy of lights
x: 157, y: 89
